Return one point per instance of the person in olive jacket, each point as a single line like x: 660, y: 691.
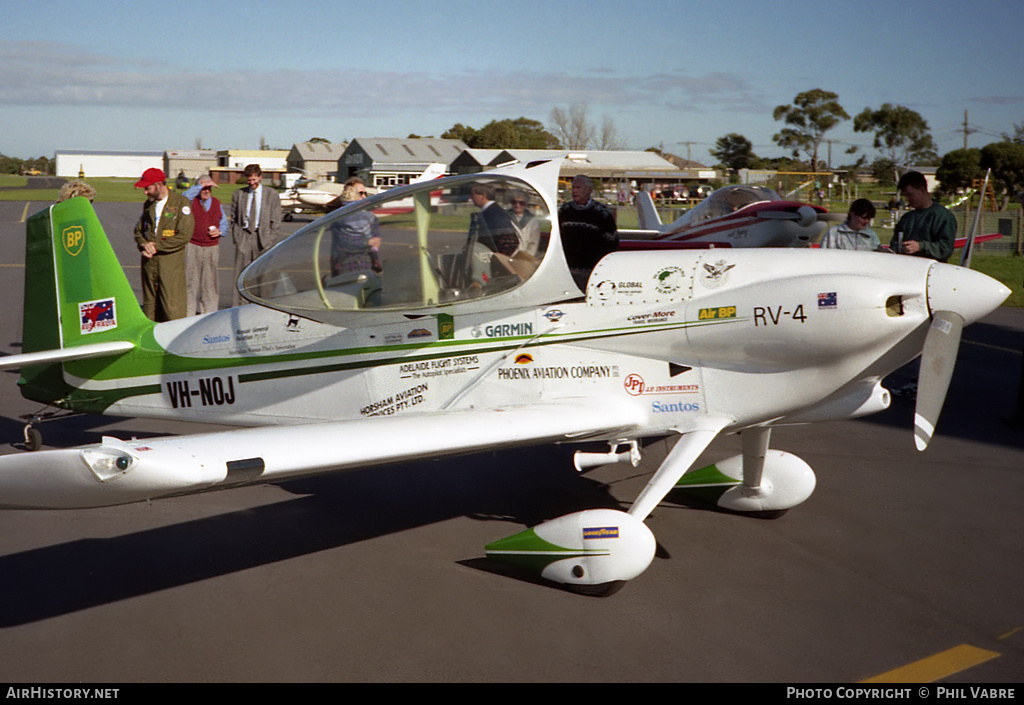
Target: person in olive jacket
x: 161, y: 234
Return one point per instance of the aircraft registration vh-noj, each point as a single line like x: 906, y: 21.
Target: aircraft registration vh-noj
x: 453, y: 347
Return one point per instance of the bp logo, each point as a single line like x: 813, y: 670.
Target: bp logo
x: 73, y: 239
x: 445, y: 326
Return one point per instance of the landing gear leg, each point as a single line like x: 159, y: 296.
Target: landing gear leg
x: 33, y: 436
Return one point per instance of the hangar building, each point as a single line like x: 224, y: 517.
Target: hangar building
x: 191, y: 162
x: 384, y: 162
x: 71, y: 163
x: 317, y: 160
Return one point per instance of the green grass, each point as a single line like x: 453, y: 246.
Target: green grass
x: 108, y: 190
x: 1008, y: 270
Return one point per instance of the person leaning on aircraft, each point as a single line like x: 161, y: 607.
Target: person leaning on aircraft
x: 163, y: 230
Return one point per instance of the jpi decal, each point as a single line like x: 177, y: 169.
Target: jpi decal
x: 209, y: 391
x: 635, y: 385
x: 764, y: 314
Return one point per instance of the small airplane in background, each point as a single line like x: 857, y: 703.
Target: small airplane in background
x: 451, y: 348
x: 732, y: 216
x: 325, y: 196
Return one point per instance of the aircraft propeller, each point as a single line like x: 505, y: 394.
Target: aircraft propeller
x: 805, y: 216
x: 938, y: 358
x: 956, y: 295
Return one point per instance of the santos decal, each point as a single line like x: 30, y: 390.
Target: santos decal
x: 661, y: 407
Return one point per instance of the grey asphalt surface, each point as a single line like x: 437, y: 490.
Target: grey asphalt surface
x: 379, y: 575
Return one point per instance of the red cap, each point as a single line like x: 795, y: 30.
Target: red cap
x: 150, y: 176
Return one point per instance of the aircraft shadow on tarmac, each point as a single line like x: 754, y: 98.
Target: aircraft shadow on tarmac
x: 523, y: 487
x: 984, y: 401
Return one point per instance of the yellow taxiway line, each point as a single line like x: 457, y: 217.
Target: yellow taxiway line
x: 931, y: 669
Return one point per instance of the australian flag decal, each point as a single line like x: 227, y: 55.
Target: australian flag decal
x: 827, y: 300
x: 96, y: 316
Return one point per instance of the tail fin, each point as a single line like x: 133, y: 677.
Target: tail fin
x: 433, y: 171
x: 78, y: 302
x: 648, y: 214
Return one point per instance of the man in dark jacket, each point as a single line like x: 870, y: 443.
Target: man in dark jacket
x: 588, y: 231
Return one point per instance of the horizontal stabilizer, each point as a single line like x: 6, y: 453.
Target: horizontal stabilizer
x: 80, y: 352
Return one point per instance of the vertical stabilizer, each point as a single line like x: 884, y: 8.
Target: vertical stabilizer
x: 76, y: 292
x: 647, y: 213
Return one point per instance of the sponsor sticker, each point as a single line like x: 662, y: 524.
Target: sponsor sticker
x: 707, y: 314
x: 445, y: 327
x: 715, y: 275
x: 503, y: 330
x: 635, y: 385
x: 73, y: 239
x: 600, y: 532
x: 669, y: 280
x: 96, y: 316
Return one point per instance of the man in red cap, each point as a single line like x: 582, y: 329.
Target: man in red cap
x: 162, y: 232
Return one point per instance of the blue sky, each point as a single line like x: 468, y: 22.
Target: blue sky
x: 138, y: 76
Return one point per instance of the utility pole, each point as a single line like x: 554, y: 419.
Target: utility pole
x: 687, y: 149
x: 966, y: 130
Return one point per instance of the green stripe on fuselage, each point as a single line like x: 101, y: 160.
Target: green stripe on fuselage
x: 151, y: 360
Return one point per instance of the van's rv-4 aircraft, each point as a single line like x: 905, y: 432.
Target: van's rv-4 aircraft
x: 741, y: 216
x: 732, y: 216
x: 453, y: 349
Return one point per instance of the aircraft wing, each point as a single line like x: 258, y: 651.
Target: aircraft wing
x: 118, y: 472
x: 79, y: 352
x: 962, y: 241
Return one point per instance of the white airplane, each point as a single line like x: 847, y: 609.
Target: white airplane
x: 325, y: 196
x: 732, y: 216
x: 454, y: 348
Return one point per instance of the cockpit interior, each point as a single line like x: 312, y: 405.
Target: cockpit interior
x: 418, y: 246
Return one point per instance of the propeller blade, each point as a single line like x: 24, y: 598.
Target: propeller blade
x: 937, y: 360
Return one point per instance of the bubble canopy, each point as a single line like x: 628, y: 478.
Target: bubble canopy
x: 421, y: 246
x: 728, y: 199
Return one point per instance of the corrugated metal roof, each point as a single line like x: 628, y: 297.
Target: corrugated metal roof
x: 421, y: 150
x: 319, y: 151
x: 618, y: 160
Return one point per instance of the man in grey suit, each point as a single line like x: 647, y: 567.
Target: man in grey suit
x: 255, y: 221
